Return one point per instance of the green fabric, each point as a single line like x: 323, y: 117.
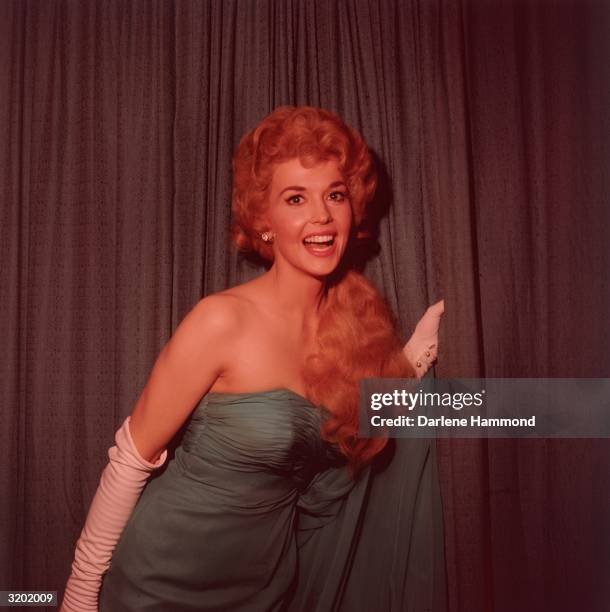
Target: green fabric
x: 256, y: 512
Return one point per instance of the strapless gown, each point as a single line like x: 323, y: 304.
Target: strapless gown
x: 257, y: 513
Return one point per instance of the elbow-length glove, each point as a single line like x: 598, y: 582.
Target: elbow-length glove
x: 120, y: 487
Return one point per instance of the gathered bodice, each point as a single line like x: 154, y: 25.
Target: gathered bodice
x: 273, y: 435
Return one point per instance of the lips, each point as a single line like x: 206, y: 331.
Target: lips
x: 320, y: 245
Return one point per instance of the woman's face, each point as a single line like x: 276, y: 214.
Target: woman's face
x: 310, y: 215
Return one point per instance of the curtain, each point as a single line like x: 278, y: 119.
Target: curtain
x: 489, y: 124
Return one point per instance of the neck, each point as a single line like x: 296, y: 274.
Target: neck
x: 292, y: 293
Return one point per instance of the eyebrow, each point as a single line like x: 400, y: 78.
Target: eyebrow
x: 299, y: 188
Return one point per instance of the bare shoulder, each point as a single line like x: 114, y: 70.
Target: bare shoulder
x: 246, y: 297
x: 220, y: 320
x: 247, y: 292
x: 200, y: 351
x: 214, y: 318
x: 221, y: 311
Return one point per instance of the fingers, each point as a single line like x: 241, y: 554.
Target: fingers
x: 438, y: 308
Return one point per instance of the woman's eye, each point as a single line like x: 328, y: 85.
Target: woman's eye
x: 295, y: 199
x: 338, y: 195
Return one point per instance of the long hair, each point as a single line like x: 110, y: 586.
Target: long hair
x: 356, y: 336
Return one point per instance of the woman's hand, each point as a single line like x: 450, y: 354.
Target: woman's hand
x: 422, y: 347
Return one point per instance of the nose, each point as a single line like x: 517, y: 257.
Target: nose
x: 321, y: 212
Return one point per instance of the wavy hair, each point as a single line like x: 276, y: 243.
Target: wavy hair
x: 356, y: 336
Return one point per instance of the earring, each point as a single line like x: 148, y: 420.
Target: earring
x: 267, y: 237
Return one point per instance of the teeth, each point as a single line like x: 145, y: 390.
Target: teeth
x: 324, y: 238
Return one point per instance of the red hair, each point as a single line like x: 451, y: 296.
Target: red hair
x: 356, y: 336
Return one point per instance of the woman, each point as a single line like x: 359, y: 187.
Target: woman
x: 268, y: 373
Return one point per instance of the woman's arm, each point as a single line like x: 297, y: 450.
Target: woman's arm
x: 422, y: 347
x: 198, y: 352
x: 184, y: 371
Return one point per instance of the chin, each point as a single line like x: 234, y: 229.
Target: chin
x: 319, y: 265
x: 323, y: 268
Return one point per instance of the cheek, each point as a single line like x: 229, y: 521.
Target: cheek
x: 289, y: 229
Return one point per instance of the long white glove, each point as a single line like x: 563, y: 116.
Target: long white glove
x: 120, y: 487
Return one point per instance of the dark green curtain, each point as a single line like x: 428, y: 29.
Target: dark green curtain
x: 489, y: 122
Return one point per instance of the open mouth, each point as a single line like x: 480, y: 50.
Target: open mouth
x: 319, y: 241
x: 321, y: 244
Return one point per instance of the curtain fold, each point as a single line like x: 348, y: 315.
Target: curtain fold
x: 490, y: 128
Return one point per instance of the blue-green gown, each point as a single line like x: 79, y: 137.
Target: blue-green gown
x: 257, y: 513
